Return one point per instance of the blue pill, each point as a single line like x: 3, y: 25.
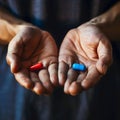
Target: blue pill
x: 79, y: 67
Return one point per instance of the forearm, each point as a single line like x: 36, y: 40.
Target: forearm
x: 9, y: 26
x: 109, y: 22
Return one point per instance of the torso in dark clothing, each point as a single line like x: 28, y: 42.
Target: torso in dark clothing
x: 57, y: 16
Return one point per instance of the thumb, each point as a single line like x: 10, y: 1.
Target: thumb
x: 102, y: 65
x: 13, y: 61
x: 105, y: 56
x: 13, y: 55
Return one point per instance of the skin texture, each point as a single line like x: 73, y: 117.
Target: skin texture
x: 28, y: 47
x: 85, y: 44
x: 88, y: 45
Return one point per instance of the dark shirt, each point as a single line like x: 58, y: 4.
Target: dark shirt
x: 58, y: 16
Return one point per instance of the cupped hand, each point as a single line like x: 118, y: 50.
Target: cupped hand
x: 30, y: 46
x: 89, y: 46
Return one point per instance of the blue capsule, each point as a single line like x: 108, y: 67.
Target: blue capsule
x: 80, y: 67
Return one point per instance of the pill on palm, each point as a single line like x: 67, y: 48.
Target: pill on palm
x: 36, y: 67
x: 80, y: 67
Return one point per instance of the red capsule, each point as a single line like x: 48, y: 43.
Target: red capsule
x: 36, y: 67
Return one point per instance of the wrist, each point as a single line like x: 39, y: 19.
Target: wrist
x: 7, y: 32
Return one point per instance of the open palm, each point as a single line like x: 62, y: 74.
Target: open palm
x: 30, y: 46
x: 87, y: 45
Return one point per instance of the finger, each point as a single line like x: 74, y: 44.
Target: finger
x: 14, y: 62
x: 62, y: 72
x: 92, y: 78
x: 105, y: 56
x: 24, y: 79
x: 75, y: 88
x: 13, y: 55
x: 71, y: 76
x: 38, y: 88
x: 45, y: 80
x: 53, y: 72
x: 34, y: 77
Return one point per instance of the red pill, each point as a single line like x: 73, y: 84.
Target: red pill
x: 36, y: 67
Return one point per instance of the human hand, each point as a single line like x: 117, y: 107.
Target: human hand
x: 89, y: 46
x: 30, y: 46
